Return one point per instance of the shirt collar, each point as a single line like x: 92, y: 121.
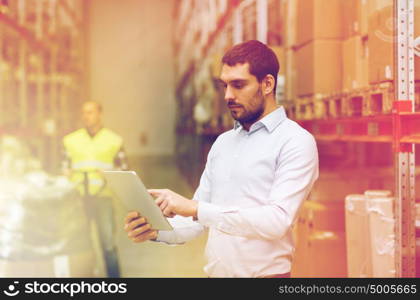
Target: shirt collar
x: 270, y: 121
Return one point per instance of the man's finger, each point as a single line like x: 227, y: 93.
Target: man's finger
x: 148, y: 235
x: 155, y: 192
x: 168, y: 212
x: 135, y: 223
x: 163, y: 205
x: 131, y: 215
x: 159, y: 200
x: 140, y: 238
x: 140, y: 230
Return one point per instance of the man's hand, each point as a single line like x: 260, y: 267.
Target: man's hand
x: 171, y: 203
x: 137, y: 228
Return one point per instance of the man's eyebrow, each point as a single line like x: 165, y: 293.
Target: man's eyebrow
x: 238, y: 81
x: 219, y: 80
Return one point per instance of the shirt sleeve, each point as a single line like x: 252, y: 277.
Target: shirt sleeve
x: 185, y: 229
x: 296, y: 171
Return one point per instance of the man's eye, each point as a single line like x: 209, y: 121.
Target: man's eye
x: 238, y: 85
x: 222, y: 85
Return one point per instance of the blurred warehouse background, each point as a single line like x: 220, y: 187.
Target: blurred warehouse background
x: 153, y: 65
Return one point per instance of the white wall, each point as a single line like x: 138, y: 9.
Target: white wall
x: 130, y: 71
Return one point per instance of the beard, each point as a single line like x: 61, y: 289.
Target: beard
x: 254, y: 112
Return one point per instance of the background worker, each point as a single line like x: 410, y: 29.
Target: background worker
x: 88, y: 151
x: 256, y: 178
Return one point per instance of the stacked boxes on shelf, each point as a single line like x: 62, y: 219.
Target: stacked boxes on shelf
x: 317, y: 53
x: 354, y: 47
x: 356, y: 56
x: 342, y: 50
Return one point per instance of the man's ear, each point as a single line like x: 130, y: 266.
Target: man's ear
x: 268, y: 84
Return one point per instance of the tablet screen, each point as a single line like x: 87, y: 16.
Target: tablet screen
x: 130, y: 189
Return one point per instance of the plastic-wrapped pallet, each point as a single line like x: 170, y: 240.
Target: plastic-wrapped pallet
x: 359, y: 262
x: 381, y: 225
x: 15, y: 158
x: 43, y: 229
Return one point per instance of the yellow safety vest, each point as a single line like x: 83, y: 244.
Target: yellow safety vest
x: 90, y: 154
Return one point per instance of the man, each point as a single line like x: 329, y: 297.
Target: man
x: 256, y: 178
x: 88, y: 151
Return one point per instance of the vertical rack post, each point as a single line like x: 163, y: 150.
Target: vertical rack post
x: 404, y: 153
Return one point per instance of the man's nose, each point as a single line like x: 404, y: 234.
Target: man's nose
x: 229, y: 94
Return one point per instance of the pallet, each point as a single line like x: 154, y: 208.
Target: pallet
x: 290, y: 108
x: 304, y: 108
x: 373, y: 100
x: 311, y: 107
x: 334, y: 105
x: 356, y: 103
x: 380, y: 100
x: 369, y: 101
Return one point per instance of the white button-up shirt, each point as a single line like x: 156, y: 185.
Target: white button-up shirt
x: 249, y: 194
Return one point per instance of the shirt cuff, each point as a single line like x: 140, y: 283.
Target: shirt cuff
x: 164, y: 237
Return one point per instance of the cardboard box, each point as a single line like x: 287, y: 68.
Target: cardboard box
x: 327, y: 251
x: 356, y: 14
x: 320, y: 243
x: 355, y: 63
x: 355, y: 17
x: 381, y: 49
x: 381, y: 42
x: 318, y: 19
x: 359, y: 261
x: 327, y: 215
x: 319, y: 67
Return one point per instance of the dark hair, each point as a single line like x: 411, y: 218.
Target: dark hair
x: 261, y: 59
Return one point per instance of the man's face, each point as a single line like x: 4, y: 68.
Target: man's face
x: 243, y: 93
x: 91, y: 115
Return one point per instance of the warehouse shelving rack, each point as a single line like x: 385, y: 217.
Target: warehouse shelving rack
x: 41, y: 72
x: 401, y: 127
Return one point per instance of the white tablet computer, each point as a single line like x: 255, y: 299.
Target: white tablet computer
x: 131, y: 190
